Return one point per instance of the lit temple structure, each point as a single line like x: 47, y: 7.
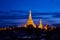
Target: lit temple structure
x: 46, y: 27
x: 40, y: 25
x: 30, y: 21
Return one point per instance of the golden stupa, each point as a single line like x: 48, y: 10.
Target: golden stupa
x: 30, y: 21
x: 40, y: 25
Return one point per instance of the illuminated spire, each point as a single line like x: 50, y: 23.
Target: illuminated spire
x: 30, y: 21
x: 30, y: 17
x: 40, y: 25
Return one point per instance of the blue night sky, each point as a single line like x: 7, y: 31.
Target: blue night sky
x: 16, y: 11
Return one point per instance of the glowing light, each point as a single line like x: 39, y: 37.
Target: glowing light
x: 30, y: 21
x: 40, y: 25
x: 51, y: 28
x: 46, y: 27
x: 1, y: 28
x: 5, y: 28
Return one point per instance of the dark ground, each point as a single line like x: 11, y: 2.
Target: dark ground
x: 30, y: 34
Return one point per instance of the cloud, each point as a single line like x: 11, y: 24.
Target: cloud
x: 44, y: 13
x: 20, y: 17
x: 55, y: 20
x: 21, y: 11
x: 56, y: 16
x: 14, y: 17
x: 13, y: 14
x: 19, y: 14
x: 42, y: 17
x: 13, y: 21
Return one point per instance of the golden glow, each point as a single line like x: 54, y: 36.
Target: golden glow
x: 1, y: 28
x: 5, y: 28
x: 40, y: 25
x: 51, y: 28
x: 30, y: 21
x: 46, y: 27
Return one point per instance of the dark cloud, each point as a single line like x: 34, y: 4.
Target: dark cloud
x: 13, y: 17
x: 56, y: 16
x: 39, y: 18
x: 34, y: 14
x: 3, y: 12
x: 13, y: 14
x: 20, y: 17
x: 20, y: 14
x: 20, y: 11
x: 56, y: 24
